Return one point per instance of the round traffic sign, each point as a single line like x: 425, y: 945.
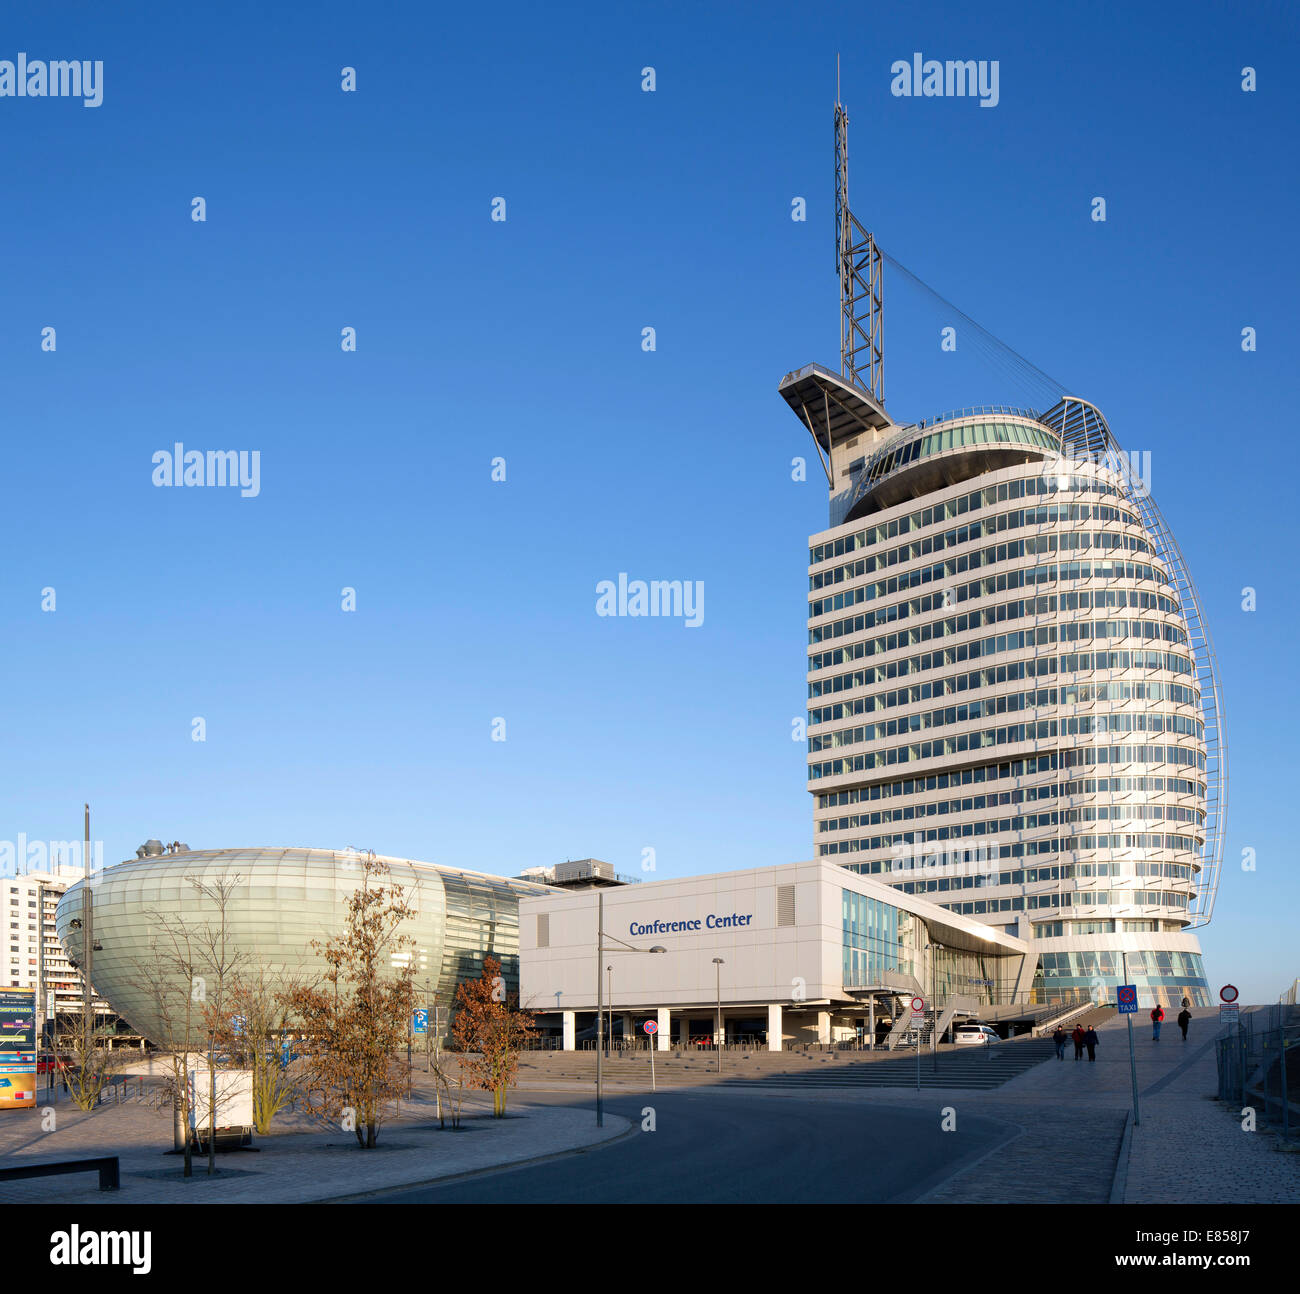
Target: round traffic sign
x: 1228, y: 993
x: 1126, y: 994
x: 651, y: 1026
x: 918, y: 1005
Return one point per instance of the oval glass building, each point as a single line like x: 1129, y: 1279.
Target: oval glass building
x: 280, y: 900
x: 1013, y: 708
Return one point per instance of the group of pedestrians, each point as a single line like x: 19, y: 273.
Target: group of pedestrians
x: 1081, y: 1038
x: 1158, y: 1018
x: 1087, y: 1038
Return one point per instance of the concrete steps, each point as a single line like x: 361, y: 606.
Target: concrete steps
x: 955, y: 1067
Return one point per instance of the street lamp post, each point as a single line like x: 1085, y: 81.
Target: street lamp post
x: 717, y: 1035
x: 933, y: 948
x: 600, y: 1006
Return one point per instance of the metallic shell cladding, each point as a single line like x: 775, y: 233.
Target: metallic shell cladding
x: 281, y: 900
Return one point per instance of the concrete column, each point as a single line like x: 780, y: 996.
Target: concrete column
x: 628, y: 1031
x: 663, y: 1039
x: 774, y: 1026
x: 684, y: 1030
x: 823, y: 1026
x: 569, y: 1031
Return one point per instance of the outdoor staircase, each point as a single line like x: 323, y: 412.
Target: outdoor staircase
x: 970, y: 1067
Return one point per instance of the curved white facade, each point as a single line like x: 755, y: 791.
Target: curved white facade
x: 281, y: 900
x: 1006, y: 711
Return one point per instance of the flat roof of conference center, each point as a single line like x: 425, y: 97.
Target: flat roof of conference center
x: 779, y: 932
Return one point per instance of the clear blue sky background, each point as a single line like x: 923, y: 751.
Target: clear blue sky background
x: 522, y: 339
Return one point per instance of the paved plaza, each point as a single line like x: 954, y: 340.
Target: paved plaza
x: 1054, y: 1134
x: 298, y: 1162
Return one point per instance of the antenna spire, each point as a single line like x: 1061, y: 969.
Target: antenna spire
x: 858, y: 263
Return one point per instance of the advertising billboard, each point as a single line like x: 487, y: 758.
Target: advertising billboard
x: 17, y: 1048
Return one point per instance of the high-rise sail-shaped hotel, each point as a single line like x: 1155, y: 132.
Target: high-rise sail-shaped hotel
x: 1012, y: 703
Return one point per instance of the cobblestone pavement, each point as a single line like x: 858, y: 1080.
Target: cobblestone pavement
x: 296, y: 1163
x: 1193, y: 1149
x: 1058, y: 1158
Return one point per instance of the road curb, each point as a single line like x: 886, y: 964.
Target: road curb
x: 380, y: 1191
x: 1119, y: 1183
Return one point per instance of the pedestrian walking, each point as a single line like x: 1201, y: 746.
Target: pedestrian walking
x: 1090, y: 1040
x: 1060, y: 1037
x: 1078, y: 1036
x: 1184, y: 1019
x: 1157, y: 1019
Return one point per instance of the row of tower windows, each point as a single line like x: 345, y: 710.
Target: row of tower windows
x: 978, y: 856
x: 1070, y: 663
x: 1043, y: 635
x: 1014, y: 733
x: 1066, y: 541
x: 1068, y: 694
x: 1080, y: 898
x: 1022, y: 822
x: 1009, y: 703
x: 992, y: 773
x: 989, y: 496
x: 1047, y: 573
x: 1037, y: 875
x: 1034, y: 545
x: 1043, y: 605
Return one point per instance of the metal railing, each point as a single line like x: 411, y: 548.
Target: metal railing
x: 978, y: 410
x: 1259, y: 1069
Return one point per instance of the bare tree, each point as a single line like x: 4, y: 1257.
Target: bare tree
x: 252, y: 1027
x: 490, y: 1029
x: 356, y: 1020
x: 185, y: 981
x: 85, y: 1063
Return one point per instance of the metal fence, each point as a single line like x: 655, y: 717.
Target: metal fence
x: 1259, y: 1068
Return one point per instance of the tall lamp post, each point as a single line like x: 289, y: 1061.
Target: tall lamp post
x: 717, y: 1036
x: 932, y: 948
x: 601, y: 936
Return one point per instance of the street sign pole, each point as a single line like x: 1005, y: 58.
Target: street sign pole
x: 918, y: 1023
x: 651, y: 1027
x: 1133, y: 1073
x: 1127, y: 1005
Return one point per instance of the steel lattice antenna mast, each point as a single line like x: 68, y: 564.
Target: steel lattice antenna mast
x: 858, y: 263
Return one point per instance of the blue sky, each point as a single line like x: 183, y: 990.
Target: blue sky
x: 522, y: 339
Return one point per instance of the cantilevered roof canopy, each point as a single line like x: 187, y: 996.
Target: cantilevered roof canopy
x: 833, y: 409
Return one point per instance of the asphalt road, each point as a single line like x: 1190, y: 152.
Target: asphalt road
x: 734, y: 1148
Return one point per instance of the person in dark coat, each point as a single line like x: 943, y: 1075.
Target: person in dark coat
x: 1078, y: 1036
x: 1090, y: 1040
x: 1184, y: 1019
x: 1060, y: 1038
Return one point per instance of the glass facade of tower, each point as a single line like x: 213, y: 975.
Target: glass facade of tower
x: 1004, y: 713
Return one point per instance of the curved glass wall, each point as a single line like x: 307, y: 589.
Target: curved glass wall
x: 956, y: 437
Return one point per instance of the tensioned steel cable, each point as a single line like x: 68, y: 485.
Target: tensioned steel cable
x: 990, y: 347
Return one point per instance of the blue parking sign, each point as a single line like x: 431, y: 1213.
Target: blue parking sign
x: 420, y: 1021
x: 1126, y: 999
